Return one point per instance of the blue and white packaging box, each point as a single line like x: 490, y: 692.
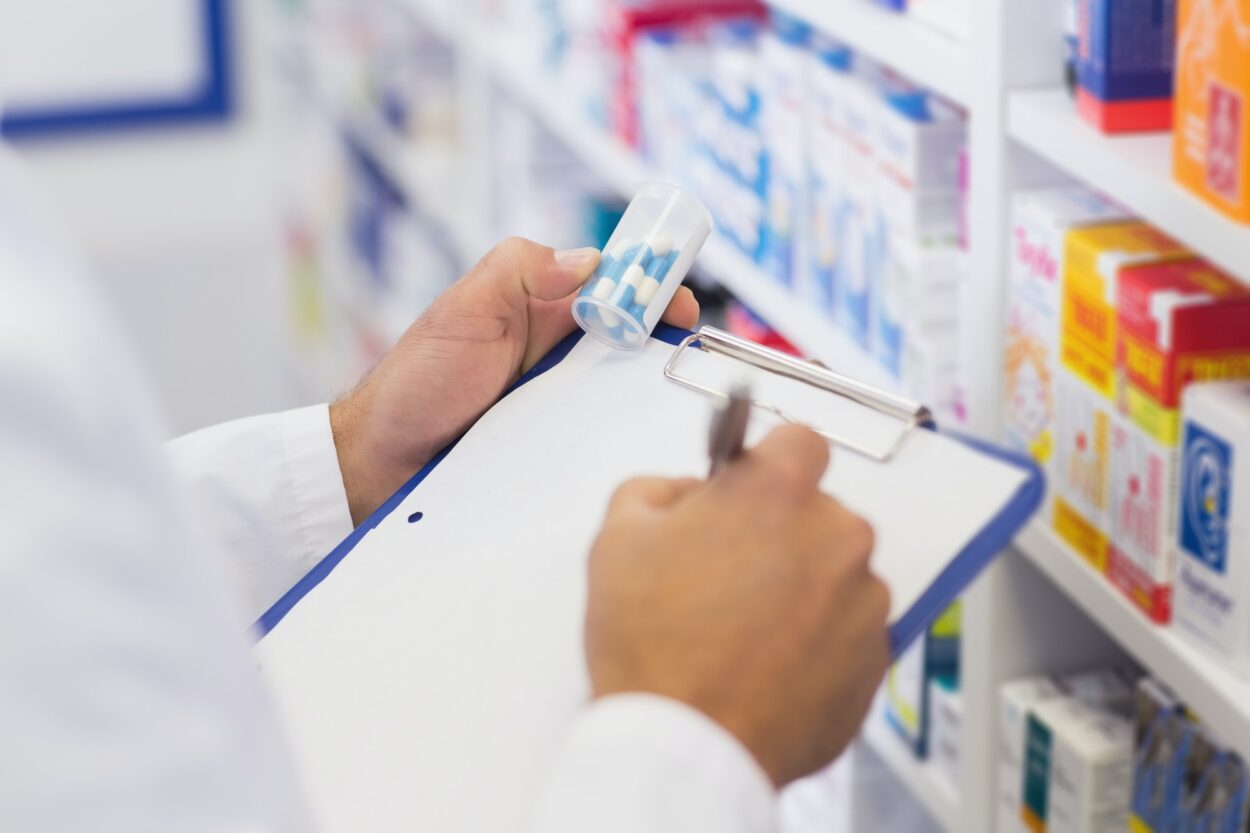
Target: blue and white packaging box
x: 729, y: 170
x: 829, y: 64
x: 1212, y: 587
x: 783, y: 87
x: 861, y: 248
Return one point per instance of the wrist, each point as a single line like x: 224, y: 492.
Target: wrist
x: 361, y: 467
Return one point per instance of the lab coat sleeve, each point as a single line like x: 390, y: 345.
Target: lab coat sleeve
x: 639, y: 763
x: 268, y: 498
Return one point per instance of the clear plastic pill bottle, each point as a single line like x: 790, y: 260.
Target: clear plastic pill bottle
x: 644, y: 262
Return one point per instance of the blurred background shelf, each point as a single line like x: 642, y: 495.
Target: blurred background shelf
x: 1135, y: 170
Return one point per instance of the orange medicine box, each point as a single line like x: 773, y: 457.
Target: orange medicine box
x: 1178, y: 323
x: 1086, y: 382
x: 1211, y: 141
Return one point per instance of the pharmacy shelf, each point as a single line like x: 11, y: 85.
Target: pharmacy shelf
x: 920, y: 777
x: 1219, y: 697
x: 911, y: 47
x: 621, y: 169
x: 1134, y: 170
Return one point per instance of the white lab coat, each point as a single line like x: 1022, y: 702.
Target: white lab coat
x: 129, y: 574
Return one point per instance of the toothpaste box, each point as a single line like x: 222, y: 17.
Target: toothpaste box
x: 1086, y: 387
x: 1040, y: 222
x: 1211, y: 140
x: 1177, y: 322
x: 1213, y: 540
x: 783, y: 122
x: 1078, y: 767
x: 1125, y: 52
x: 1016, y: 699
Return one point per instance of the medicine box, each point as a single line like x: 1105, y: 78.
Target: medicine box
x: 1078, y: 767
x: 907, y: 681
x: 829, y: 67
x: 859, y: 241
x: 1164, y: 738
x: 1040, y: 222
x: 1093, y: 257
x: 1015, y: 700
x: 945, y: 718
x: 1125, y: 56
x: 1213, y: 578
x: 1177, y: 322
x: 1211, y: 139
x: 783, y: 122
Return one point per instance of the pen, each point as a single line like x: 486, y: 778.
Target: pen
x: 729, y: 429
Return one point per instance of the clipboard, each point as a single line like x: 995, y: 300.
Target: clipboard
x: 911, y: 416
x: 442, y: 662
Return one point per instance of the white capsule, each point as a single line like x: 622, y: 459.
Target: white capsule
x: 660, y: 244
x: 610, y: 319
x: 646, y: 290
x: 633, y: 275
x: 604, y: 289
x: 619, y: 250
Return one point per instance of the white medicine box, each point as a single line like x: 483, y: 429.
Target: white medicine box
x: 1040, y: 221
x: 1078, y: 769
x: 1212, y: 588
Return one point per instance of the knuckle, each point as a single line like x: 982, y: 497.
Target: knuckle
x: 879, y: 595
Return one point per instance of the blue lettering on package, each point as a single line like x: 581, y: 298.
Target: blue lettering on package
x: 1206, y: 471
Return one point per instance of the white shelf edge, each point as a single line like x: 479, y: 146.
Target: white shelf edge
x: 896, y: 39
x: 1135, y: 170
x: 919, y: 777
x: 1218, y: 697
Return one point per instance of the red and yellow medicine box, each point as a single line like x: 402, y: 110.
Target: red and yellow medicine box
x: 1211, y: 141
x: 1093, y: 257
x: 1177, y: 323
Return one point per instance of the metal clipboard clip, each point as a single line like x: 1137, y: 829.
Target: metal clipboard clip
x: 911, y: 415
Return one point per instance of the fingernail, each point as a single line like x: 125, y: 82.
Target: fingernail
x: 576, y: 258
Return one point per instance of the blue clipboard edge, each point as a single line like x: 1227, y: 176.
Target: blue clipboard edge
x: 271, y: 617
x: 994, y: 538
x: 212, y: 102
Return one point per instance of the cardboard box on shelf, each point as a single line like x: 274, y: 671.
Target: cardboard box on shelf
x: 1040, y: 222
x: 1213, y: 577
x: 1093, y: 257
x: 1176, y: 322
x: 1211, y: 142
x: 1125, y: 56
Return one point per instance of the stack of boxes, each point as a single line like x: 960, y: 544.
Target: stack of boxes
x: 1086, y: 389
x: 1109, y: 321
x: 932, y: 661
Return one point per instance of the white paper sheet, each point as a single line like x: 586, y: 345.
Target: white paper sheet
x: 426, y: 682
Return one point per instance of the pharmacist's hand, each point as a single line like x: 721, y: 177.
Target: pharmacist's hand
x: 748, y: 597
x: 456, y: 360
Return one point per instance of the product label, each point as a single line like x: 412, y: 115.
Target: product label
x: 1037, y: 749
x: 1205, y: 487
x: 1224, y: 130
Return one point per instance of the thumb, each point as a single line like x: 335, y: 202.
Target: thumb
x: 521, y: 270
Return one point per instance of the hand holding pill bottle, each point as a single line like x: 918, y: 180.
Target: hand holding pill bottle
x: 644, y: 262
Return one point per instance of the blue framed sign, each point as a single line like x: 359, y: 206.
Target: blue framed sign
x: 97, y: 79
